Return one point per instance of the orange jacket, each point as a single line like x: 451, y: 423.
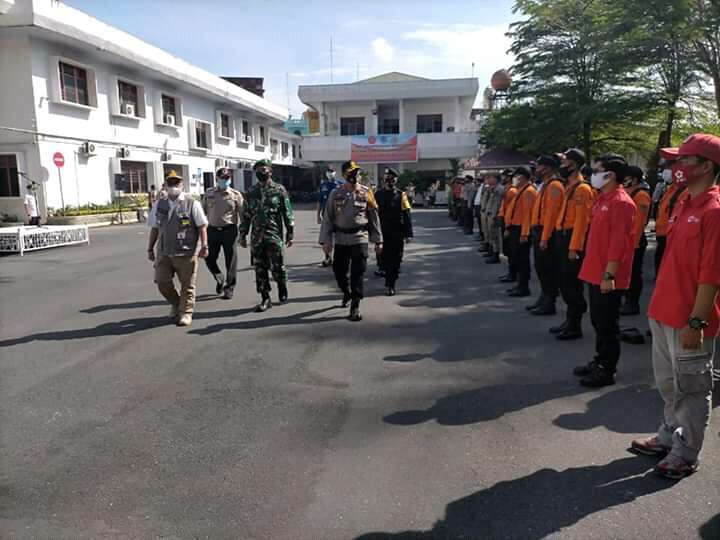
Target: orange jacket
x: 520, y: 208
x: 643, y: 202
x: 547, y: 207
x: 510, y: 193
x: 663, y: 214
x: 576, y: 212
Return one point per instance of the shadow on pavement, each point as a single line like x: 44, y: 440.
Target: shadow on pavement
x: 541, y: 504
x: 711, y: 529
x: 486, y: 403
x: 139, y: 304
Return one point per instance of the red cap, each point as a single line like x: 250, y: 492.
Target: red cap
x: 700, y: 144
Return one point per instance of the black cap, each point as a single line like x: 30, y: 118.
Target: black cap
x: 223, y: 172
x: 391, y: 172
x: 523, y: 171
x: 469, y: 177
x: 614, y: 163
x: 577, y: 155
x: 635, y: 172
x: 548, y: 160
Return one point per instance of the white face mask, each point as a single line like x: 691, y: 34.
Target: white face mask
x: 599, y: 180
x: 515, y: 182
x: 330, y: 175
x: 174, y: 192
x: 667, y: 176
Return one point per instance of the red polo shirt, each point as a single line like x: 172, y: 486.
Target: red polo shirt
x: 692, y: 257
x: 610, y: 238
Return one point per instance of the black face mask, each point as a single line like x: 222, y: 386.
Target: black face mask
x: 391, y: 182
x: 262, y: 176
x: 352, y: 177
x: 565, y: 172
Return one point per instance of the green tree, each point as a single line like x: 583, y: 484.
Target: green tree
x: 707, y: 44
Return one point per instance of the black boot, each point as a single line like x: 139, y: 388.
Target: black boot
x: 219, y: 283
x: 508, y: 279
x: 282, y: 293
x: 544, y: 309
x: 560, y: 328
x: 536, y: 304
x: 265, y: 304
x: 495, y: 259
x: 587, y: 369
x: 598, y: 378
x: 484, y: 248
x: 355, y: 311
x: 346, y: 299
x: 519, y: 292
x: 389, y: 291
x: 572, y: 331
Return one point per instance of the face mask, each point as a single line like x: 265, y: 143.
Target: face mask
x: 352, y: 178
x: 682, y: 173
x: 262, y: 176
x: 174, y: 192
x: 330, y: 175
x: 515, y: 182
x: 599, y: 180
x: 223, y: 183
x: 667, y: 176
x: 565, y: 172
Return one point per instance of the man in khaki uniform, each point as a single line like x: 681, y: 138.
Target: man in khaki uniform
x: 177, y: 224
x: 351, y: 220
x: 223, y: 207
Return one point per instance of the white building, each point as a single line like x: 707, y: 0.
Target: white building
x: 438, y: 111
x: 121, y: 112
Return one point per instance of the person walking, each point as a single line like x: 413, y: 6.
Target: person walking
x: 269, y: 214
x: 571, y: 232
x: 31, y: 205
x: 177, y: 225
x: 607, y: 266
x: 545, y: 216
x: 639, y: 192
x: 396, y: 224
x: 520, y: 212
x: 684, y: 311
x: 329, y: 183
x: 224, y: 207
x: 351, y: 220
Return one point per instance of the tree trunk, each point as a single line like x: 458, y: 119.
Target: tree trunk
x: 716, y: 82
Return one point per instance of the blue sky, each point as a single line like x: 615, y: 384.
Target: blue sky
x: 272, y: 38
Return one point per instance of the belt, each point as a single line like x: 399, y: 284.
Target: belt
x: 353, y: 230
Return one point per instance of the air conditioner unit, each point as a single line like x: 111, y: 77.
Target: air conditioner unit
x: 124, y: 152
x: 87, y: 149
x: 247, y: 138
x: 450, y: 129
x: 165, y: 156
x: 219, y: 162
x: 248, y: 165
x: 128, y: 109
x: 169, y: 119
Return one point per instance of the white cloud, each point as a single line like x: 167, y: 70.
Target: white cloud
x: 384, y: 52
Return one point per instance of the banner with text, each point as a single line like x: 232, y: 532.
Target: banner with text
x: 384, y: 148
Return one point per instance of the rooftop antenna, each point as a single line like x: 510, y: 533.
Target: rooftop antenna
x: 331, y: 59
x: 473, y: 70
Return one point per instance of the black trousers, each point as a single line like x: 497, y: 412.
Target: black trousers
x: 605, y: 317
x: 392, y: 255
x: 520, y: 258
x: 469, y: 219
x: 632, y: 297
x: 546, y: 266
x: 352, y: 260
x: 571, y: 288
x: 659, y: 252
x: 223, y: 238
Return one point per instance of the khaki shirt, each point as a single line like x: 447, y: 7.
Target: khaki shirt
x: 223, y: 207
x: 351, y: 217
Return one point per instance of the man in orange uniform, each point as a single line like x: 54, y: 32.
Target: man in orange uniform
x: 519, y: 214
x: 544, y: 217
x: 571, y: 232
x: 665, y: 209
x: 639, y: 192
x: 504, y: 220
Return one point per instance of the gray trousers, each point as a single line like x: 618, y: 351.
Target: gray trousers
x: 495, y: 235
x: 485, y: 223
x: 684, y: 379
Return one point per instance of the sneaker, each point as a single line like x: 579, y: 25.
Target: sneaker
x: 228, y: 293
x: 598, y: 378
x: 282, y: 294
x: 649, y: 446
x: 390, y: 291
x: 675, y: 468
x: 185, y: 320
x: 264, y: 305
x: 174, y: 311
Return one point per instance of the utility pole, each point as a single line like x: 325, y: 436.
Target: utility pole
x: 331, y: 59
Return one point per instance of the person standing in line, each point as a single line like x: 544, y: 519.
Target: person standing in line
x: 350, y: 221
x: 520, y: 212
x: 269, y: 214
x: 394, y: 211
x: 224, y: 207
x: 177, y: 225
x: 469, y: 191
x: 504, y: 220
x: 476, y: 214
x: 671, y: 196
x: 457, y: 192
x: 571, y: 232
x: 329, y: 183
x: 31, y: 205
x: 607, y: 266
x: 488, y: 189
x: 639, y: 192
x: 545, y: 215
x: 492, y: 211
x: 684, y: 311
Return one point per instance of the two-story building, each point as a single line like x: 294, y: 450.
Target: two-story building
x: 91, y: 113
x: 424, y: 122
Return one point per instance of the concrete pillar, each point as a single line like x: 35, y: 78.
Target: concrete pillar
x: 323, y: 121
x: 401, y: 115
x: 375, y: 118
x: 458, y: 119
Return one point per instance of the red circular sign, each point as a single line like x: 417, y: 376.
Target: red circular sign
x: 58, y: 159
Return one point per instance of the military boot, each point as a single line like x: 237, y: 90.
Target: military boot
x: 265, y: 304
x: 219, y: 283
x: 346, y: 299
x: 282, y: 293
x: 355, y: 311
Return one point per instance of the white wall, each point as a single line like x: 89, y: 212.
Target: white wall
x: 336, y: 111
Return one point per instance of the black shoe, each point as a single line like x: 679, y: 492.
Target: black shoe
x: 598, y: 378
x: 587, y: 369
x: 544, y: 310
x: 355, y: 311
x: 508, y: 279
x: 379, y: 273
x: 390, y: 291
x: 569, y: 334
x: 484, y: 248
x: 630, y: 309
x: 264, y: 305
x: 559, y: 329
x: 495, y: 259
x: 282, y: 294
x: 228, y: 293
x: 219, y: 283
x: 326, y: 263
x: 519, y: 293
x: 346, y: 299
x: 536, y: 304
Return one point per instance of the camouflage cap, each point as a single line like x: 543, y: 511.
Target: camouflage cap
x: 262, y: 163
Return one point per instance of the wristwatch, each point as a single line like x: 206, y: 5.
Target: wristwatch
x: 696, y: 323
x: 607, y: 276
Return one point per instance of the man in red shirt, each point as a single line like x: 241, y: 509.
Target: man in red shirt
x: 685, y: 310
x: 607, y: 266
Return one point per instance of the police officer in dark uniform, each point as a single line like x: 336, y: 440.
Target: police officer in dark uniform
x: 394, y: 209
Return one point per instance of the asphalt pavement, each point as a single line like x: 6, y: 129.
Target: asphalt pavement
x: 448, y: 413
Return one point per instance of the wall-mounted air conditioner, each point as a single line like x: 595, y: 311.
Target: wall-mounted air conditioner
x: 124, y: 153
x: 169, y: 119
x: 128, y: 109
x: 165, y: 156
x: 87, y: 149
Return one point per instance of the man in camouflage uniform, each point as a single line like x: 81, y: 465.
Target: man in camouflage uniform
x: 492, y: 209
x: 269, y: 213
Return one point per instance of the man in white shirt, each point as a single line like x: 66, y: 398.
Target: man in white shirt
x: 31, y: 206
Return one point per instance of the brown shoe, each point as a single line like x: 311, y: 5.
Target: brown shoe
x: 675, y: 468
x: 185, y: 320
x: 649, y: 446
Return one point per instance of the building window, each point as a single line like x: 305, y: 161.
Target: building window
x: 9, y: 179
x: 285, y: 148
x: 390, y: 126
x: 273, y: 147
x: 429, y: 123
x: 169, y: 106
x: 74, y: 84
x: 134, y: 177
x: 263, y: 136
x: 294, y: 151
x: 352, y: 126
x: 202, y: 135
x: 128, y: 94
x: 245, y: 135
